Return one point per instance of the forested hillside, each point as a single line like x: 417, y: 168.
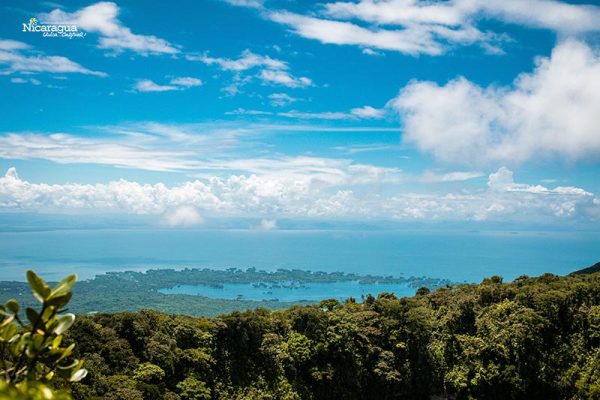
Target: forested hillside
x: 534, y: 338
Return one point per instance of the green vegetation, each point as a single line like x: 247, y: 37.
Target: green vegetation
x: 132, y: 291
x: 534, y: 338
x: 31, y: 351
x: 589, y: 270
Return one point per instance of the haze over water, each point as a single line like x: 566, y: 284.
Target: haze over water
x: 455, y: 255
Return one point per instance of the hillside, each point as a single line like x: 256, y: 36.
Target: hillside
x: 534, y: 338
x: 589, y: 270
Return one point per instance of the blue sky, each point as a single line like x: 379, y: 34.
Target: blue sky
x: 396, y: 110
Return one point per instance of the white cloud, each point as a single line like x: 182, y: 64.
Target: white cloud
x: 150, y: 145
x: 20, y: 57
x: 502, y: 180
x: 371, y: 52
x: 552, y: 111
x: 549, y: 14
x: 10, y: 45
x: 246, y: 3
x: 283, y: 78
x: 291, y: 193
x: 102, y: 18
x: 183, y: 216
x: 364, y: 148
x: 146, y: 85
x: 69, y: 149
x: 327, y: 115
x: 243, y: 111
x: 186, y: 81
x: 281, y: 99
x: 268, y: 224
x: 426, y: 27
x: 346, y: 33
x: 271, y: 71
x: 191, y: 148
x: 181, y: 83
x: 246, y: 61
x: 368, y: 112
x: 458, y: 176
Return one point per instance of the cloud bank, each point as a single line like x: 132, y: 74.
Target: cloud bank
x: 551, y: 112
x: 298, y: 195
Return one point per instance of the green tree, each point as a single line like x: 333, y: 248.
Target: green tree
x: 31, y: 348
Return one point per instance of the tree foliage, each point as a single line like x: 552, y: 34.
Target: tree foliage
x: 31, y: 346
x: 533, y: 338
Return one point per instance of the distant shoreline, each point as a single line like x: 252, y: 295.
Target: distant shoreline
x: 131, y: 290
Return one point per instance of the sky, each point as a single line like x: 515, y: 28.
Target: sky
x: 392, y: 110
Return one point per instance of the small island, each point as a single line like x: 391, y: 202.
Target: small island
x: 158, y: 288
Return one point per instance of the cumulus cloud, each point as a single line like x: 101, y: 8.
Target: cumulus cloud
x: 502, y: 180
x: 184, y: 216
x: 296, y: 195
x: 426, y: 27
x: 102, y: 18
x: 552, y: 111
x: 368, y: 112
x: 19, y: 57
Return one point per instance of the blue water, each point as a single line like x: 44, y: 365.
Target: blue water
x: 455, y: 255
x: 309, y: 291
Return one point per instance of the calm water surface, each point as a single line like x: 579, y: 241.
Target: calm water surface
x: 458, y: 256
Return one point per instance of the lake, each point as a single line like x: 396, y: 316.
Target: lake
x: 310, y: 291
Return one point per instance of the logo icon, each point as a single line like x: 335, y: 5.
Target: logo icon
x: 53, y: 30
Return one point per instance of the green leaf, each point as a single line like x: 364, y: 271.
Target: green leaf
x: 63, y: 286
x: 56, y: 342
x: 60, y: 301
x: 13, y: 306
x: 39, y: 288
x: 63, y: 323
x: 9, y: 332
x: 32, y: 315
x: 66, y: 353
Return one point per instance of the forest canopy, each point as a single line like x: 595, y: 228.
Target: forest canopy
x: 533, y: 338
